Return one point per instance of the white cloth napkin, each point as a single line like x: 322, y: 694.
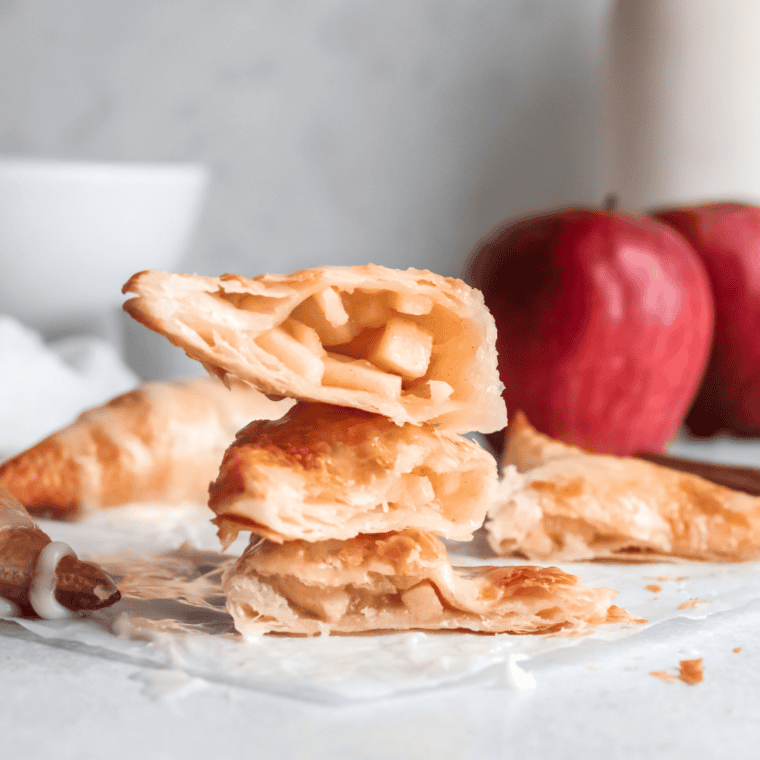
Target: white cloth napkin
x: 45, y: 386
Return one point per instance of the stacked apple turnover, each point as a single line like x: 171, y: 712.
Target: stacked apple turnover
x: 348, y: 495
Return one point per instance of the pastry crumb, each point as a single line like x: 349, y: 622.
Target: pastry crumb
x: 617, y: 614
x: 691, y: 671
x: 654, y: 588
x: 663, y: 675
x: 737, y: 649
x: 691, y: 604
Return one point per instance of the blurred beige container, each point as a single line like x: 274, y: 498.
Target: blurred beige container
x: 683, y: 101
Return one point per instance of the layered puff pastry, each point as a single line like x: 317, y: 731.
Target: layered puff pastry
x: 325, y: 471
x: 557, y: 503
x: 410, y: 345
x: 44, y: 577
x: 162, y: 442
x: 400, y: 581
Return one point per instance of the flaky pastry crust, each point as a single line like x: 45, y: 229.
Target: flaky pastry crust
x: 558, y: 503
x: 410, y: 345
x: 162, y: 442
x: 400, y: 581
x: 325, y: 471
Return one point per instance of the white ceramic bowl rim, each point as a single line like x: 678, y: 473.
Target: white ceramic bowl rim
x: 53, y: 169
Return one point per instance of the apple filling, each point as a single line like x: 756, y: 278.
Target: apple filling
x: 420, y: 603
x: 382, y: 342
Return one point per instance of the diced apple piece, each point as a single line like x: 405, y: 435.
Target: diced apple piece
x: 448, y: 483
x: 360, y: 375
x: 331, y: 304
x: 326, y: 603
x: 440, y: 391
x: 437, y: 391
x: 411, y: 303
x: 305, y: 335
x: 413, y: 491
x: 292, y: 354
x: 327, y: 315
x: 422, y: 601
x: 369, y: 310
x: 404, y: 349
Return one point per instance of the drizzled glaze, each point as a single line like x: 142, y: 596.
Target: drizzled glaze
x: 42, y: 590
x: 7, y: 608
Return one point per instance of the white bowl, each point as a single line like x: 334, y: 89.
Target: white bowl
x: 73, y: 232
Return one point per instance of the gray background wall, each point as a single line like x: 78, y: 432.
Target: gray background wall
x: 336, y: 131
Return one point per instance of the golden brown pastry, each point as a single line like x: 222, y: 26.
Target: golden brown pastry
x: 557, y: 503
x: 327, y: 471
x: 161, y: 442
x: 400, y: 581
x: 44, y: 577
x: 410, y: 345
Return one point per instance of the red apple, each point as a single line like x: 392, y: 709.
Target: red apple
x: 727, y: 238
x: 604, y: 325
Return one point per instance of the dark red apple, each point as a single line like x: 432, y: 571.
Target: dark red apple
x: 604, y: 325
x: 727, y: 238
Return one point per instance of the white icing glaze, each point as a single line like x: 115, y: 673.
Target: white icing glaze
x: 42, y: 591
x: 7, y: 608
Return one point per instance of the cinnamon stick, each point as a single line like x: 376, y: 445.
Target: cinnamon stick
x: 34, y: 579
x: 738, y: 478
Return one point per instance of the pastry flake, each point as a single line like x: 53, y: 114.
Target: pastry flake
x: 410, y: 345
x: 559, y: 503
x: 400, y: 581
x: 162, y: 442
x: 325, y: 471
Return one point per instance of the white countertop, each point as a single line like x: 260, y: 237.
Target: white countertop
x: 597, y: 698
x: 66, y: 703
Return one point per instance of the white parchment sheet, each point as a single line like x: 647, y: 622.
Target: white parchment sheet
x: 172, y: 622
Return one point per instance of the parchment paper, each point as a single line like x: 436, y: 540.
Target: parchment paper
x: 171, y: 621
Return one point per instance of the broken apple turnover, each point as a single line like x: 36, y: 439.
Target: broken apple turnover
x: 44, y: 577
x: 162, y: 442
x: 410, y: 345
x: 557, y: 503
x: 326, y: 471
x: 400, y: 581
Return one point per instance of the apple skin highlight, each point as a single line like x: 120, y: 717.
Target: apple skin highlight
x: 726, y: 236
x: 604, y: 325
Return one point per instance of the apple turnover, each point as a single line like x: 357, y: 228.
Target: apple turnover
x: 326, y: 471
x: 557, y: 503
x: 44, y: 577
x: 162, y: 442
x: 410, y: 345
x: 400, y: 581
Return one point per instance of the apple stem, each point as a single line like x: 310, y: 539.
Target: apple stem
x: 610, y: 203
